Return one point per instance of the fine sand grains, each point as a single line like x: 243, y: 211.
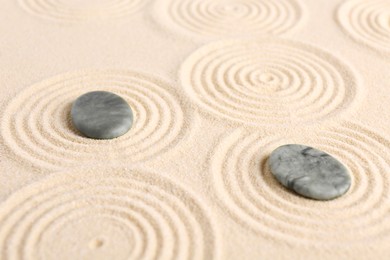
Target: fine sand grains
x: 230, y: 18
x: 37, y: 126
x: 368, y: 22
x: 72, y: 11
x: 268, y: 81
x: 215, y: 87
x: 245, y: 186
x: 105, y: 213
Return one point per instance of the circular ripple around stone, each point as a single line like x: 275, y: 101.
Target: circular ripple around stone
x: 249, y: 194
x: 268, y: 82
x: 105, y: 213
x: 231, y: 17
x: 79, y: 11
x: 37, y: 124
x: 367, y: 22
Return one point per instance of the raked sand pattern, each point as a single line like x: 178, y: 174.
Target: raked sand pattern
x: 367, y: 22
x: 37, y: 125
x: 230, y: 17
x: 267, y: 82
x: 105, y: 213
x: 215, y: 86
x: 249, y: 194
x: 81, y: 11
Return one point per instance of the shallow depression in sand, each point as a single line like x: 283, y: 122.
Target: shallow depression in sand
x: 231, y: 17
x: 367, y: 22
x: 105, y: 213
x: 37, y: 125
x: 265, y: 82
x: 249, y: 194
x: 84, y: 10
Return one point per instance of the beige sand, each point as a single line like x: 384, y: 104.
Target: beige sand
x: 215, y: 85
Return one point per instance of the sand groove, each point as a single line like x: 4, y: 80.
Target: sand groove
x: 231, y: 18
x: 78, y: 11
x: 250, y: 195
x: 105, y: 214
x: 367, y: 21
x: 268, y: 82
x: 37, y: 125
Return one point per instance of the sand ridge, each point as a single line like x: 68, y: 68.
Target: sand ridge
x: 244, y: 185
x: 116, y: 212
x: 368, y: 22
x: 77, y: 11
x: 215, y: 86
x: 268, y: 81
x: 37, y: 125
x: 230, y: 18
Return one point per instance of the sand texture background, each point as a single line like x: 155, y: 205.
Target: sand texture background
x: 215, y: 86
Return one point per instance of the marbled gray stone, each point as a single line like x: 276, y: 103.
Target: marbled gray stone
x: 101, y: 115
x: 309, y: 172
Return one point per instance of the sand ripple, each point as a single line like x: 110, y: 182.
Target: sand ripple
x: 367, y: 21
x: 37, y: 125
x: 109, y: 213
x: 250, y: 194
x: 78, y: 11
x: 231, y: 18
x: 268, y: 82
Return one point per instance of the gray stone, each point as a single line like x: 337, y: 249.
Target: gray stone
x: 309, y: 172
x: 101, y: 115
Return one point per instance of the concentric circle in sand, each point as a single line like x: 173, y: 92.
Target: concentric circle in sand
x: 268, y: 82
x: 231, y: 17
x: 105, y: 213
x: 367, y: 22
x: 78, y: 11
x: 37, y: 126
x: 249, y: 193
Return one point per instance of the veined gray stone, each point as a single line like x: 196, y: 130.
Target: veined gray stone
x: 101, y: 115
x: 309, y: 172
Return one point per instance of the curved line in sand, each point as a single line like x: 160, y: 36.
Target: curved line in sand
x: 63, y: 11
x: 367, y: 22
x: 231, y: 18
x: 268, y: 82
x: 37, y: 125
x: 245, y: 186
x: 150, y: 216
